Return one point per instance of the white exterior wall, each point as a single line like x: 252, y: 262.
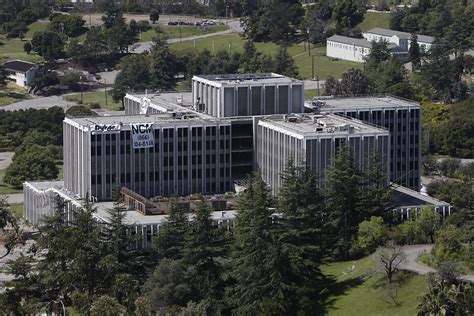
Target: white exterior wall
x: 346, y: 51
x: 23, y: 79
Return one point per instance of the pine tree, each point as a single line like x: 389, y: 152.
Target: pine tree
x: 202, y: 251
x: 414, y: 54
x: 250, y: 58
x: 172, y: 233
x: 377, y: 194
x: 285, y: 64
x: 301, y: 205
x: 342, y: 202
x: 259, y: 262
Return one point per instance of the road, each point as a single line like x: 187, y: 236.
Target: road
x: 5, y: 159
x: 235, y: 27
x: 410, y: 264
x: 313, y: 84
x: 38, y: 103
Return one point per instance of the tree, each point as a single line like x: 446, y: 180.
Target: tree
x: 390, y: 258
x: 33, y: 164
x: 446, y: 297
x: 371, y: 234
x: 332, y: 86
x: 154, y: 15
x: 448, y: 244
x: 414, y: 54
x: 3, y: 76
x: 285, y: 64
x: 300, y: 232
x: 168, y: 286
x: 162, y: 66
x: 250, y: 60
x: 428, y: 222
x: 48, y: 44
x: 12, y: 235
x: 342, y: 199
x: 172, y: 233
x: 354, y: 82
x: 106, y: 305
x: 44, y: 77
x: 347, y: 14
x: 378, y: 54
x: 202, y: 252
x: 259, y: 261
x: 27, y: 47
x: 134, y: 75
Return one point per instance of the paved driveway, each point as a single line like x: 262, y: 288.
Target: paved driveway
x: 5, y: 159
x: 38, y: 103
x: 410, y: 264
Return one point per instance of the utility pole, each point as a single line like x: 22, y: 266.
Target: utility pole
x: 80, y: 77
x: 312, y: 67
x: 317, y: 80
x: 105, y: 89
x: 309, y: 44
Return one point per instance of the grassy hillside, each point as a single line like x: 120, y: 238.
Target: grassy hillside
x: 372, y: 20
x: 323, y: 66
x: 359, y: 290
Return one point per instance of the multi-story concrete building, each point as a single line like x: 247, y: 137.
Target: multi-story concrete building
x: 151, y: 155
x: 235, y: 95
x: 315, y: 140
x: 401, y: 117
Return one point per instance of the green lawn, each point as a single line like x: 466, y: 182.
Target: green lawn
x: 358, y: 290
x: 323, y: 66
x: 17, y: 209
x: 372, y: 20
x: 5, y: 188
x: 35, y: 27
x: 182, y: 31
x: 12, y: 93
x: 13, y: 49
x: 95, y: 97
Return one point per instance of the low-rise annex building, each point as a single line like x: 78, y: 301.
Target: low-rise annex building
x: 357, y: 49
x: 21, y: 72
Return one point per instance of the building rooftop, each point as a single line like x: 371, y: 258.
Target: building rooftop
x: 350, y: 41
x: 249, y: 78
x: 308, y: 126
x: 331, y: 103
x: 156, y: 119
x: 18, y: 65
x: 403, y: 35
x: 407, y: 197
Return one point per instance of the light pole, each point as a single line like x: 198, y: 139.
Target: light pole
x: 309, y: 44
x: 105, y: 89
x: 80, y: 77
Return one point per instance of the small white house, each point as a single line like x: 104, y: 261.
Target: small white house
x: 347, y: 48
x: 21, y: 72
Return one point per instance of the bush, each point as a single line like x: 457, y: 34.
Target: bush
x: 448, y: 245
x: 94, y: 105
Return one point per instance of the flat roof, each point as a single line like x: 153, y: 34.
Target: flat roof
x: 308, y: 126
x: 350, y: 41
x: 248, y: 78
x: 331, y: 103
x: 156, y: 119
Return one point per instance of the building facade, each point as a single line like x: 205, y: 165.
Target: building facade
x: 154, y: 155
x: 402, y: 39
x: 315, y: 140
x: 401, y: 117
x: 347, y: 48
x: 237, y: 95
x: 21, y: 72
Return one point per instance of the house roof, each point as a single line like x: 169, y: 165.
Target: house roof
x: 351, y: 41
x: 403, y: 35
x: 18, y: 65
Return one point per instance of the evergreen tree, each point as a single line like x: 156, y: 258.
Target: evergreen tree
x: 285, y: 64
x: 347, y: 14
x: 301, y: 206
x: 202, y: 251
x: 3, y: 76
x: 250, y: 58
x: 171, y: 236
x: 354, y: 82
x: 414, y: 54
x: 377, y: 194
x: 342, y: 202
